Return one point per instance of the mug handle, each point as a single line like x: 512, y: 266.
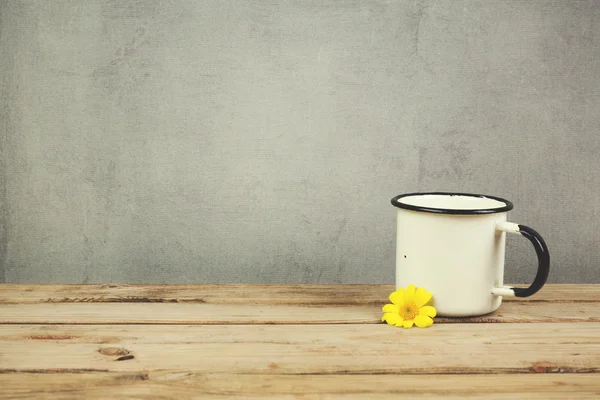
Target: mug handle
x: 543, y: 261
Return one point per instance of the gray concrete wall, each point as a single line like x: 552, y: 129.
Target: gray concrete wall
x: 236, y: 141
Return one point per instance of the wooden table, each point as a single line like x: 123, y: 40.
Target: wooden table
x: 288, y: 341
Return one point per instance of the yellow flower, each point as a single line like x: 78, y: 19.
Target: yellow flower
x: 409, y: 307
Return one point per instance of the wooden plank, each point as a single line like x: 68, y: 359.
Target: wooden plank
x: 303, y: 349
x: 199, y: 313
x: 185, y: 313
x: 155, y: 385
x: 243, y: 294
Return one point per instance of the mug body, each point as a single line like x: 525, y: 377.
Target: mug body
x: 449, y: 245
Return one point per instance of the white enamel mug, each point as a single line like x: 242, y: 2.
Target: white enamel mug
x: 452, y: 245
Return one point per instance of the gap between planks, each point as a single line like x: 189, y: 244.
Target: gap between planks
x: 235, y: 314
x: 341, y: 294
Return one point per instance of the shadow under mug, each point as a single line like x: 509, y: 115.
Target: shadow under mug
x: 452, y: 245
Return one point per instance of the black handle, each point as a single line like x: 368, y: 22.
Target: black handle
x: 543, y: 262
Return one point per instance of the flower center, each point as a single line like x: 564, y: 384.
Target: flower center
x: 408, y: 311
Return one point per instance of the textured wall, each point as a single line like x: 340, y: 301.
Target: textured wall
x: 236, y: 141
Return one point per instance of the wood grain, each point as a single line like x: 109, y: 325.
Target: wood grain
x: 304, y: 349
x: 361, y: 294
x: 208, y: 313
x: 163, y: 385
x: 288, y: 341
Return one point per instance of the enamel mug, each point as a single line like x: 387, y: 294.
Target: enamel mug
x: 452, y: 245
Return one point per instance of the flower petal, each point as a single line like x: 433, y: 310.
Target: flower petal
x: 428, y: 310
x: 397, y: 297
x: 423, y: 321
x: 407, y: 323
x: 390, y: 308
x: 410, y: 293
x: 391, y: 319
x: 422, y: 297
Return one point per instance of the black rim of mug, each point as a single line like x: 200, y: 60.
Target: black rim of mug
x: 396, y: 201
